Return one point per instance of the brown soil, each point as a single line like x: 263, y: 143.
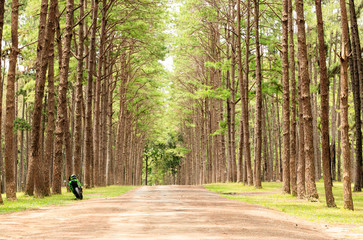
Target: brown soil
x: 161, y: 212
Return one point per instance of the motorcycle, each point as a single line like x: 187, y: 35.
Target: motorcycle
x: 75, y: 186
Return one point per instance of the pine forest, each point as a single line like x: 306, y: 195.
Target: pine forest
x: 181, y: 92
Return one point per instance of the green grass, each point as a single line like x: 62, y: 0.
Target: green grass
x: 313, y: 211
x: 26, y: 202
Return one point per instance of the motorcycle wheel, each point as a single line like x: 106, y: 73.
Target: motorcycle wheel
x: 78, y: 193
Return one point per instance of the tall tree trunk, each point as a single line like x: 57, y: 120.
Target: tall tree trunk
x: 357, y: 78
x: 269, y: 126
x: 266, y: 157
x: 339, y: 149
x: 301, y: 158
x: 79, y: 96
x: 316, y: 138
x: 258, y: 120
x: 21, y: 166
x: 285, y: 101
x: 240, y: 80
x: 62, y: 100
x: 110, y: 155
x: 97, y: 106
x: 293, y: 176
x: 245, y: 100
x: 324, y: 89
x: 88, y: 130
x: 274, y: 110
x: 10, y: 106
x: 305, y: 92
x: 68, y: 143
x: 35, y: 173
x: 48, y: 157
x: 2, y: 10
x: 228, y: 101
x: 223, y: 146
x: 344, y: 58
x: 333, y: 120
x: 233, y: 104
x: 103, y: 122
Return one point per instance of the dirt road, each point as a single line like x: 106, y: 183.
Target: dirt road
x: 160, y: 212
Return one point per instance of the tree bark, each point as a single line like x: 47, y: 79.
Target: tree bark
x: 247, y: 150
x: 274, y: 110
x: 258, y: 130
x: 88, y: 130
x: 356, y: 79
x: 79, y: 95
x: 312, y: 193
x: 344, y: 58
x: 62, y: 100
x: 2, y: 11
x: 333, y: 121
x: 240, y: 80
x: 293, y: 175
x: 324, y: 90
x: 339, y: 149
x: 285, y: 101
x: 97, y: 106
x: 48, y: 157
x: 35, y: 175
x: 10, y: 106
x: 301, y: 191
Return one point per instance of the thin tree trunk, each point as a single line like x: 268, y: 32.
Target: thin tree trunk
x: 97, y: 106
x: 247, y: 150
x: 293, y: 175
x: 21, y: 167
x: 301, y: 191
x: 68, y: 144
x: 334, y: 122
x: 316, y: 138
x: 285, y: 100
x: 2, y: 10
x: 275, y: 127
x: 240, y: 80
x: 269, y: 126
x: 339, y: 149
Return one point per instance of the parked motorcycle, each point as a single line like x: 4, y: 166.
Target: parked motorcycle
x: 75, y: 186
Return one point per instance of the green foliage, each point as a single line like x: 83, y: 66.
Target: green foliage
x: 164, y: 155
x: 20, y: 124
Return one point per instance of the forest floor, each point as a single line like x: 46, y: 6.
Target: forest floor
x: 164, y: 212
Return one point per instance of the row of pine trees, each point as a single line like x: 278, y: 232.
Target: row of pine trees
x: 269, y: 96
x: 80, y: 82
